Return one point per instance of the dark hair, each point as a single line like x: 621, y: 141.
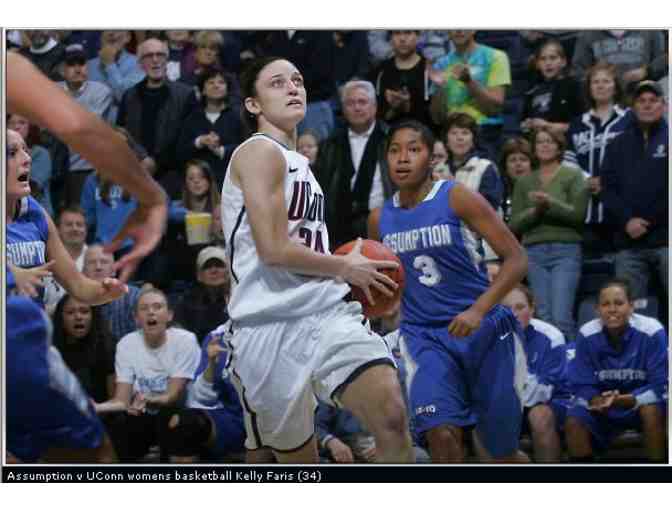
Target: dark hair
x: 558, y: 138
x: 618, y: 281
x: 605, y: 66
x: 426, y: 134
x: 213, y: 194
x: 97, y: 340
x: 34, y: 136
x: 545, y: 44
x: 460, y: 120
x: 248, y: 80
x: 210, y: 73
x: 513, y: 146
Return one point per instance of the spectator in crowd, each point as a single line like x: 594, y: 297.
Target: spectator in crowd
x: 619, y: 377
x: 199, y: 195
x: 45, y: 52
x: 203, y: 308
x: 312, y: 52
x: 352, y: 168
x: 547, y: 211
x: 472, y: 79
x: 546, y: 396
x: 99, y: 265
x: 153, y: 366
x: 71, y: 224
x: 154, y: 110
x: 41, y: 170
x: 115, y: 66
x: 204, y: 58
x: 211, y: 427
x: 351, y: 61
x: 89, y: 39
x: 556, y: 98
x: 180, y: 48
x: 535, y: 38
x: 433, y: 44
x: 106, y: 206
x: 470, y: 167
x: 212, y: 131
x: 467, y: 164
x: 637, y: 54
x: 589, y: 136
x: 34, y: 247
x: 341, y: 436
x: 402, y: 83
x: 95, y: 97
x: 516, y: 161
x: 83, y: 338
x: 439, y: 161
x: 308, y: 144
x: 635, y: 184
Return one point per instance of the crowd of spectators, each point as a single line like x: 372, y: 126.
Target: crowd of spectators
x: 563, y: 132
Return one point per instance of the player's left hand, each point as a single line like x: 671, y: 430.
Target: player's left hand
x: 465, y: 323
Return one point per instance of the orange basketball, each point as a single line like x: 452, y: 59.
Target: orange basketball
x: 377, y: 251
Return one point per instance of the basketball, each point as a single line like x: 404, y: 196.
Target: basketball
x: 377, y: 251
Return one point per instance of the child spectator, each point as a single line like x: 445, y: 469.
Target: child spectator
x: 556, y: 98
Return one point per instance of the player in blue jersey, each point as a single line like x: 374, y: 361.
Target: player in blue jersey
x: 546, y: 396
x: 465, y: 361
x: 32, y: 238
x: 49, y: 416
x: 619, y: 377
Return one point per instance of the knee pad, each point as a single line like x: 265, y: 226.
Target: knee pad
x: 187, y: 432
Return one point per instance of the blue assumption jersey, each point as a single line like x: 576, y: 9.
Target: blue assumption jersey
x: 27, y: 238
x: 640, y: 368
x: 46, y: 405
x: 442, y: 259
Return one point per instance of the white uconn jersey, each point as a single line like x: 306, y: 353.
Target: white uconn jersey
x: 261, y: 293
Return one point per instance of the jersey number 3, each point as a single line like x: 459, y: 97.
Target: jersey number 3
x: 430, y: 273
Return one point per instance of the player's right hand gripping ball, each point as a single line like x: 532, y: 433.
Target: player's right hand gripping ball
x: 377, y: 251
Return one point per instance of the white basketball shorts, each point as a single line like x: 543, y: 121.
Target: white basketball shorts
x: 279, y: 368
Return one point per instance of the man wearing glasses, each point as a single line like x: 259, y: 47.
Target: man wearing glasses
x: 153, y: 111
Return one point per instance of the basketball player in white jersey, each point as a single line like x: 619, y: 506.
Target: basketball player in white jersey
x: 294, y: 336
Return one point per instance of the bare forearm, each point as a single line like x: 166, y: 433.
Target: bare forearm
x: 300, y: 259
x: 111, y: 406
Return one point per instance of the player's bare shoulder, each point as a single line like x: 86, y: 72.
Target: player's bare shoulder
x: 257, y: 156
